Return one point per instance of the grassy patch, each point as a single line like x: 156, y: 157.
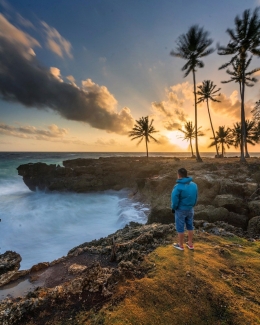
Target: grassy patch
x: 218, y: 283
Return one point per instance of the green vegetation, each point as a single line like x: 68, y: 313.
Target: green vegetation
x: 218, y: 284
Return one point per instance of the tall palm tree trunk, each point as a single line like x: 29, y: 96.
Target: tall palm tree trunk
x: 222, y: 149
x: 198, y: 158
x: 242, y: 156
x: 212, y: 128
x: 146, y: 144
x: 192, y: 154
x: 246, y: 151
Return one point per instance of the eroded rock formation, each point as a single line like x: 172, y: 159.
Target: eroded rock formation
x: 228, y: 191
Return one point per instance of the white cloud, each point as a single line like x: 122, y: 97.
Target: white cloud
x: 24, y: 22
x: 56, y: 43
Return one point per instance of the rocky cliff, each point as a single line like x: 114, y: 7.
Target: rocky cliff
x: 228, y: 191
x: 95, y: 275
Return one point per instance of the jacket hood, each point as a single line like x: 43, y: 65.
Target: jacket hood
x: 184, y: 180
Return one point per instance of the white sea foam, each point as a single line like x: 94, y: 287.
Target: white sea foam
x: 45, y: 226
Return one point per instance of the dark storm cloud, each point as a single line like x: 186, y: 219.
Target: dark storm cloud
x: 24, y: 80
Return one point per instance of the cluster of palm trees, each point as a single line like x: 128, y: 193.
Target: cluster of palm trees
x: 192, y: 47
x: 225, y: 137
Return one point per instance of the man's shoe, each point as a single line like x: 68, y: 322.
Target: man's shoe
x: 189, y: 247
x: 177, y: 246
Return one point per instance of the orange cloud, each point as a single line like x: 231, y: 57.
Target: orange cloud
x: 56, y: 73
x: 110, y: 142
x: 103, y: 97
x: 230, y: 106
x: 31, y: 132
x: 171, y: 110
x: 163, y: 144
x: 13, y: 34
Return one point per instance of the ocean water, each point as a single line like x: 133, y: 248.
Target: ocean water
x: 43, y: 226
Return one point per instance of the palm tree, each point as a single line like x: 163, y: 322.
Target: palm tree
x: 192, y: 47
x: 207, y: 91
x: 237, y: 76
x: 189, y: 134
x: 143, y: 130
x: 257, y: 132
x: 244, y: 39
x: 256, y: 111
x: 223, y: 137
x: 252, y: 134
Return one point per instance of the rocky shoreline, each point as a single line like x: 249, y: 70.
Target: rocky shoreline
x: 229, y: 205
x: 228, y: 191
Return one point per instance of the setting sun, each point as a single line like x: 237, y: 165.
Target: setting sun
x: 176, y: 137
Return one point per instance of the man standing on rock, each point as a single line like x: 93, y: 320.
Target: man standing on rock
x: 183, y: 199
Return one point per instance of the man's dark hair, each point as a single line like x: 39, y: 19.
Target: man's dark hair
x: 183, y: 172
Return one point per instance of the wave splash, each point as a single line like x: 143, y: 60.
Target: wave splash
x: 42, y: 227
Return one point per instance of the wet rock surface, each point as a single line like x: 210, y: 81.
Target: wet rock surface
x: 86, y: 276
x: 228, y: 191
x: 228, y: 205
x: 9, y: 261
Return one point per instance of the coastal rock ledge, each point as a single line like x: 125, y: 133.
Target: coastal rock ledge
x: 228, y: 190
x: 89, y: 276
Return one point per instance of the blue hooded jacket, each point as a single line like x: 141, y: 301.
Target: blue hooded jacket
x: 184, y: 194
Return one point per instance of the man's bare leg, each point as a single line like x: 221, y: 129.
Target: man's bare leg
x: 181, y: 238
x: 190, y: 237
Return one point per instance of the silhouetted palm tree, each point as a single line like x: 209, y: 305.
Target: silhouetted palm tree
x: 237, y: 76
x: 207, y: 91
x: 256, y: 111
x: 244, y: 39
x: 252, y: 134
x: 189, y: 134
x: 257, y: 132
x: 192, y: 46
x: 223, y: 137
x: 143, y: 130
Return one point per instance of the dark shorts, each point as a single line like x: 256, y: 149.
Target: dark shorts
x: 182, y: 218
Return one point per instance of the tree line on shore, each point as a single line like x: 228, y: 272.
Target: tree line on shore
x: 244, y: 43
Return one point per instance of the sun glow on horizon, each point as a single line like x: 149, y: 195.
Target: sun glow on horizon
x: 176, y: 138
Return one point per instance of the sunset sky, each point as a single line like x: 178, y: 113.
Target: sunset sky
x: 75, y: 75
